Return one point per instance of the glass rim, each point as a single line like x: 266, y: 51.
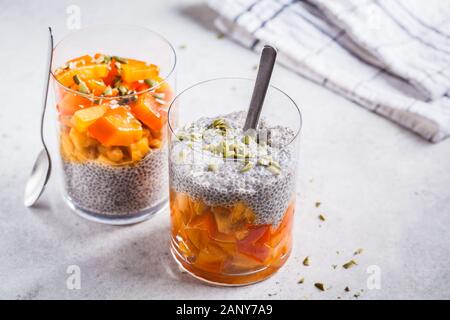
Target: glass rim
x: 297, y: 133
x: 92, y: 96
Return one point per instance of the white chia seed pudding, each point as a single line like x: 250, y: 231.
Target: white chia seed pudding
x: 118, y: 190
x: 212, y: 160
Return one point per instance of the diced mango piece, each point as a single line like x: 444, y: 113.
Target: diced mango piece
x: 199, y: 238
x: 83, y: 118
x: 223, y: 221
x: 85, y: 72
x: 114, y: 154
x: 147, y: 110
x: 139, y: 149
x: 81, y: 140
x: 242, y: 213
x: 97, y: 87
x: 117, y: 127
x: 72, y: 102
x: 211, y: 258
x: 155, y: 143
x: 254, y: 245
x: 135, y: 72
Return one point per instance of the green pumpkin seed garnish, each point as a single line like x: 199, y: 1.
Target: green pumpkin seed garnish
x: 122, y: 90
x: 159, y: 96
x: 134, y: 97
x: 118, y: 66
x: 150, y: 82
x: 102, y: 59
x: 120, y: 60
x: 240, y: 156
x: 219, y: 124
x: 247, y: 139
x: 349, y: 264
x: 83, y: 88
x: 274, y: 169
x: 264, y: 161
x: 108, y: 91
x: 77, y: 79
x: 317, y: 204
x: 182, y: 136
x: 195, y: 136
x: 247, y: 167
x: 275, y: 164
x: 319, y: 286
x: 321, y: 217
x: 213, y: 167
x: 117, y: 81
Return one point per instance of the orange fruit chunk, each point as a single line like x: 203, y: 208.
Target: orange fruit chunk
x: 72, y: 102
x: 117, y: 127
x: 254, y: 245
x: 86, y: 72
x: 147, y: 110
x: 132, y: 72
x: 139, y: 149
x: 83, y: 118
x: 198, y: 237
x: 97, y: 87
x: 211, y: 258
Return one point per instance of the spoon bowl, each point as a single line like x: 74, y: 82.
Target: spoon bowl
x: 39, y: 177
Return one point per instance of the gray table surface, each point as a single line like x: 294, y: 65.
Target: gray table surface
x: 382, y: 188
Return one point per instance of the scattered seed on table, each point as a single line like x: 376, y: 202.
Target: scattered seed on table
x: 306, y: 262
x: 319, y: 286
x: 349, y: 264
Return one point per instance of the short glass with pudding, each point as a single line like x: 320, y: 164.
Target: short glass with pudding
x: 112, y: 121
x: 232, y: 193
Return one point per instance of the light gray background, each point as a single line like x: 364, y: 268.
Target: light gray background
x: 382, y: 188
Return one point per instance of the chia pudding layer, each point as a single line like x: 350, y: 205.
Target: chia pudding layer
x: 118, y: 190
x: 215, y: 162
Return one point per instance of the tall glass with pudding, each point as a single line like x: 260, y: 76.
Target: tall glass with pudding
x: 232, y: 193
x: 113, y: 87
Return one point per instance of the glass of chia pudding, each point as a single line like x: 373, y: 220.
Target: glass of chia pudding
x: 232, y: 193
x: 113, y: 86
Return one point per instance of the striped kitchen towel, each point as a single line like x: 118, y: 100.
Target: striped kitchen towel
x: 392, y: 57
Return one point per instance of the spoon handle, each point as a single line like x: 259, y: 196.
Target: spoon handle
x: 266, y: 63
x: 46, y: 83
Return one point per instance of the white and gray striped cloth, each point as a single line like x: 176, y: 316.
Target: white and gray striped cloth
x: 390, y: 56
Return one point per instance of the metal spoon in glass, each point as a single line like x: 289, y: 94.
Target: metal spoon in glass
x: 43, y: 164
x: 266, y: 63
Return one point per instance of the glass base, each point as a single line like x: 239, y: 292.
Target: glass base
x: 131, y: 218
x: 227, y: 280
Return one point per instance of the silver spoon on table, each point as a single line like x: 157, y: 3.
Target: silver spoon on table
x: 42, y: 166
x: 266, y: 64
